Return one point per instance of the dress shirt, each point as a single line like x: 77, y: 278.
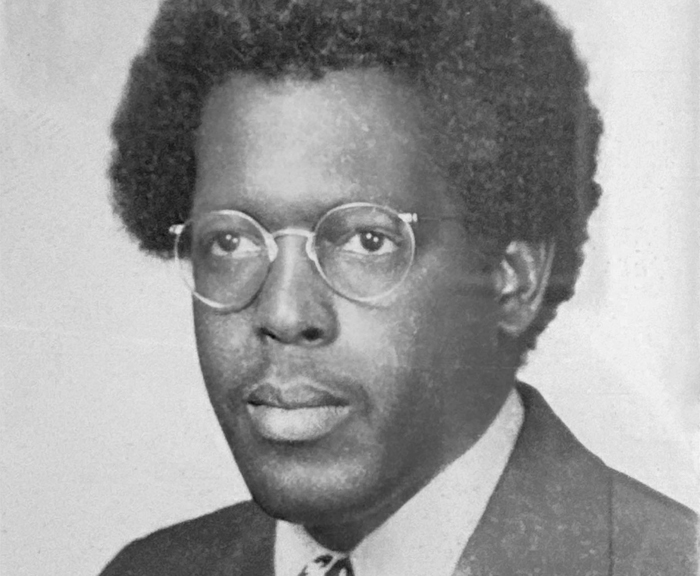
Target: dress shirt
x: 429, y: 532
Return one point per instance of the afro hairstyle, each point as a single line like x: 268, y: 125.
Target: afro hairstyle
x: 516, y: 134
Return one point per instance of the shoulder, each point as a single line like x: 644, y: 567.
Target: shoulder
x: 236, y: 539
x: 653, y: 534
x: 640, y: 530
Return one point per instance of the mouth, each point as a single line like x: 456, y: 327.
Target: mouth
x: 296, y: 411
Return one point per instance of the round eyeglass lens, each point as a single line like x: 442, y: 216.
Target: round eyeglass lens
x: 224, y: 258
x: 364, y: 251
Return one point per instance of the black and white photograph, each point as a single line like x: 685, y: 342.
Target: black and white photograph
x: 349, y: 287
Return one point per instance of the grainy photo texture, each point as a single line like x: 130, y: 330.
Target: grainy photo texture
x: 359, y: 232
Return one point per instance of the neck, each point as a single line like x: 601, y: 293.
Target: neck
x: 345, y: 536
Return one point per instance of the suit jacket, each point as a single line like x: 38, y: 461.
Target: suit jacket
x: 557, y: 510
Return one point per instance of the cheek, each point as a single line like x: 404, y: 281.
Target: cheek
x: 452, y: 320
x: 460, y: 331
x: 226, y: 355
x: 392, y: 353
x: 449, y: 335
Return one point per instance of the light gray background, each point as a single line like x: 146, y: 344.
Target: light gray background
x: 105, y: 427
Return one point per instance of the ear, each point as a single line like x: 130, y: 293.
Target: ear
x: 521, y: 280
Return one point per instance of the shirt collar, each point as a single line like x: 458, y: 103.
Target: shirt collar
x: 427, y: 534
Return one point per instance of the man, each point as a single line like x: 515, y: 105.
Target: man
x: 378, y: 207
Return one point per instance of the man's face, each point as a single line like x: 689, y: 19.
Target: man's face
x: 338, y: 411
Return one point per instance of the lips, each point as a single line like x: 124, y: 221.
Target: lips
x: 291, y: 395
x: 295, y: 411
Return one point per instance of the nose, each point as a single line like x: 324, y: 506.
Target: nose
x: 295, y: 306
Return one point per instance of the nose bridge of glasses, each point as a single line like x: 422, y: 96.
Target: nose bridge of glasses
x: 293, y: 232
x: 304, y: 233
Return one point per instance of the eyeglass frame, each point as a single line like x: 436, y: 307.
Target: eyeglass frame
x: 270, y: 239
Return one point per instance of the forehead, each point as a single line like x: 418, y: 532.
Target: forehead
x: 302, y: 146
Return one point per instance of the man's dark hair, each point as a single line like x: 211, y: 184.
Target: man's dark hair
x: 514, y: 131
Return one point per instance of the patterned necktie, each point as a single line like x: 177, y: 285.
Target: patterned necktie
x: 327, y: 565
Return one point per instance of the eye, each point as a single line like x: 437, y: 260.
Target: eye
x: 232, y: 245
x: 366, y: 242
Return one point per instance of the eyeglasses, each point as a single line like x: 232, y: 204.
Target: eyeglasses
x: 363, y: 251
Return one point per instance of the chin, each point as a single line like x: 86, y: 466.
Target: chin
x: 290, y: 484
x: 301, y: 507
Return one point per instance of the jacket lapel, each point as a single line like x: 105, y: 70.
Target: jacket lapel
x: 252, y: 552
x: 550, y: 512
